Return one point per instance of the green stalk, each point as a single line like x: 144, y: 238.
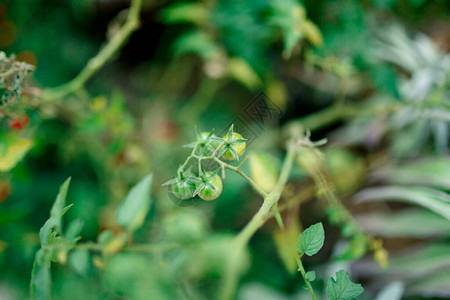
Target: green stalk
x: 302, y: 271
x: 231, y: 276
x: 98, y: 61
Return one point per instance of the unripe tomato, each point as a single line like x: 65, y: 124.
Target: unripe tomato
x: 235, y: 143
x: 207, y: 145
x: 212, y: 189
x: 183, y: 189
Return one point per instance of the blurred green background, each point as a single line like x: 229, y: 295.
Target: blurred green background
x: 372, y: 76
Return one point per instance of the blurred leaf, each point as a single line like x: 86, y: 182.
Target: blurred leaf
x: 393, y: 291
x: 185, y: 225
x: 134, y: 208
x: 356, y: 249
x: 342, y: 288
x: 15, y: 149
x: 346, y: 169
x: 405, y: 223
x: 264, y: 169
x: 420, y: 262
x: 74, y: 229
x: 286, y: 240
x: 433, y: 171
x: 215, y: 255
x: 185, y: 12
x: 277, y: 92
x: 58, y: 208
x: 312, y: 33
x: 196, y: 42
x: 241, y: 71
x: 435, y: 200
x: 432, y: 285
x: 79, y: 260
x: 135, y: 277
x: 311, y: 240
x: 56, y: 213
x: 311, y: 275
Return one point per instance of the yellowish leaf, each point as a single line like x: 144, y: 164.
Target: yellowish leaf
x: 241, y: 71
x: 15, y: 150
x: 264, y: 170
x: 312, y: 33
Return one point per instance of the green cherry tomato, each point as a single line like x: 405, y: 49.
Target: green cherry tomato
x: 238, y: 147
x: 183, y: 189
x: 208, y: 193
x: 207, y: 145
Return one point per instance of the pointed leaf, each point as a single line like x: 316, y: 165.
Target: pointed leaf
x: 171, y: 181
x: 218, y: 139
x: 233, y: 152
x: 135, y: 206
x: 193, y: 179
x: 191, y: 145
x: 199, y: 189
x: 57, y: 210
x: 74, y: 229
x: 342, y: 288
x: 198, y: 133
x: 212, y: 174
x: 311, y: 240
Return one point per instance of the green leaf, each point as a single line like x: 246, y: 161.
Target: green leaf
x: 264, y: 169
x: 58, y: 208
x: 433, y: 172
x: 310, y: 275
x: 393, y: 291
x: 79, y: 260
x: 40, y: 286
x: 74, y: 229
x: 356, y: 249
x: 198, y: 43
x: 342, y: 288
x: 135, y: 206
x: 433, y: 199
x: 405, y: 223
x: 311, y: 240
x: 54, y: 224
x: 185, y: 12
x: 13, y: 151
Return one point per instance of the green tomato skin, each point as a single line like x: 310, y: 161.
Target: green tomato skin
x: 183, y: 189
x: 208, y: 148
x: 208, y: 193
x: 239, y: 148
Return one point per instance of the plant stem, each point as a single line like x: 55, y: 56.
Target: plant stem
x: 231, y: 276
x: 257, y: 188
x: 302, y: 271
x: 98, y: 61
x: 148, y: 248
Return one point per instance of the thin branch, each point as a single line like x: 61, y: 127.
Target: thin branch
x: 98, y: 61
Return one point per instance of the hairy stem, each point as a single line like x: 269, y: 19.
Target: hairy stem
x: 98, y: 61
x: 231, y: 276
x: 302, y: 271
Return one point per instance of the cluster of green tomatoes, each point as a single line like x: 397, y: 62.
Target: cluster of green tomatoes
x: 207, y: 184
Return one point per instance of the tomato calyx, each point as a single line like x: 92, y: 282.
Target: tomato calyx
x: 209, y: 185
x: 182, y: 186
x: 205, y: 143
x: 233, y: 145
